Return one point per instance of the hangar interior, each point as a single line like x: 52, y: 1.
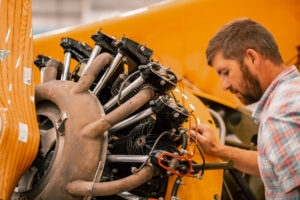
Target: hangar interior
x: 99, y: 98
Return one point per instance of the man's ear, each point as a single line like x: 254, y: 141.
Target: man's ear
x: 252, y: 57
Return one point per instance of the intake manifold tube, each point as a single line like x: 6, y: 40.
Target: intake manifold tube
x: 85, y: 188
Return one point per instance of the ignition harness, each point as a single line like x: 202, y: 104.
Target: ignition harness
x: 191, y: 155
x: 76, y: 67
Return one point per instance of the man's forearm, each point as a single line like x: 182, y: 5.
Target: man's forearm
x: 243, y: 160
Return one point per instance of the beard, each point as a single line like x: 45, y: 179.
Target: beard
x: 252, y: 91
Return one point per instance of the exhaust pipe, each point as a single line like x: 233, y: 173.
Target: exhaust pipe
x: 85, y: 188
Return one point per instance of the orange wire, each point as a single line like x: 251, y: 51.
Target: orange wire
x: 189, y: 135
x: 181, y: 88
x: 196, y: 139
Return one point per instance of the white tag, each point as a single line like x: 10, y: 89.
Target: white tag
x: 3, y: 54
x: 27, y: 75
x: 23, y: 132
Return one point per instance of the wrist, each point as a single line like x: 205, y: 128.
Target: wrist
x: 217, y: 150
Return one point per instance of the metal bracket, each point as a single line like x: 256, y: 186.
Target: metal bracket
x: 60, y: 124
x: 90, y: 189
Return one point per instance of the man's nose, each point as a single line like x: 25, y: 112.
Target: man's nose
x: 225, y: 84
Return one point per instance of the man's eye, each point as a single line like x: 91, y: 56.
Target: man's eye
x: 226, y: 73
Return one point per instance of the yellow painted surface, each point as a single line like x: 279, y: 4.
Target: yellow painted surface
x: 19, y: 136
x: 179, y: 30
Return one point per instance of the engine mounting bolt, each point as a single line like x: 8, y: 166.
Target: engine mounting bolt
x: 114, y: 170
x: 180, y: 182
x: 183, y: 167
x: 175, y: 115
x: 133, y: 169
x: 184, y: 151
x: 152, y: 103
x: 216, y: 197
x: 172, y: 77
x: 153, y: 193
x: 199, y: 176
x: 162, y: 82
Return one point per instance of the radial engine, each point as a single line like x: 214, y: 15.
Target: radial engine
x: 111, y: 128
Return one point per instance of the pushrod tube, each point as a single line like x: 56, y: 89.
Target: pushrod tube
x: 94, y: 53
x: 131, y: 120
x: 66, y: 66
x: 127, y: 158
x: 42, y: 74
x: 108, y: 73
x: 135, y: 84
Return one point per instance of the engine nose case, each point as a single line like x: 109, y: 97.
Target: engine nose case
x: 77, y: 156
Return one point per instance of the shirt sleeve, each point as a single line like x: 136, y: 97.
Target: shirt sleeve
x: 283, y: 147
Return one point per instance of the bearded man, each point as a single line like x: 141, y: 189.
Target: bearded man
x: 246, y: 57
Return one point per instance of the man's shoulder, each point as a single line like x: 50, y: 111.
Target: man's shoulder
x: 288, y: 87
x: 286, y: 95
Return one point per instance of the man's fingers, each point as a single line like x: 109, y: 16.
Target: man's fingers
x: 201, y: 128
x: 199, y: 136
x: 193, y: 133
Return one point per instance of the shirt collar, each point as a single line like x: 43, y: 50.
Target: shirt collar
x: 286, y: 74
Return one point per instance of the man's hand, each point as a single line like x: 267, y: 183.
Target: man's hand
x: 244, y: 160
x: 207, y: 138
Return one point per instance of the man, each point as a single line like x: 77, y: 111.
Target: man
x: 246, y: 57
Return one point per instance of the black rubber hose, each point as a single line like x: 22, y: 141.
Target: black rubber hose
x: 202, y: 156
x: 184, y: 141
x: 175, y: 187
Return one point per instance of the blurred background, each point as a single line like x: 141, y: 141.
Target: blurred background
x: 53, y: 14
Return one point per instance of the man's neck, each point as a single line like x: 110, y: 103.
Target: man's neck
x: 270, y: 72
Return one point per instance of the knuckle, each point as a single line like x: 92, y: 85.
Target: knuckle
x: 206, y: 127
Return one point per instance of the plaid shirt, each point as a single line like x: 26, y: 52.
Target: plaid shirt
x: 278, y: 114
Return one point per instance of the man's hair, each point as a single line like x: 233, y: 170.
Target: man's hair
x: 234, y: 38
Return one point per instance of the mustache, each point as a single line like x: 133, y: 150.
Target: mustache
x: 233, y: 91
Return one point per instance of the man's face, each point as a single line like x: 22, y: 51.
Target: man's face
x: 238, y: 79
